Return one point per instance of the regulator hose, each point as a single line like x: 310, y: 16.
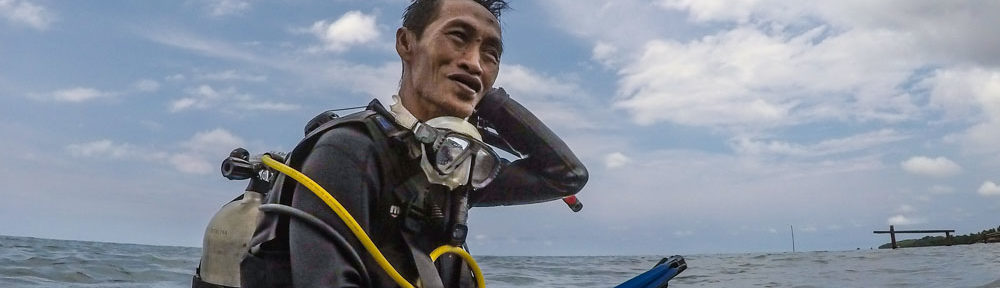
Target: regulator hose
x: 321, y: 226
x: 360, y: 233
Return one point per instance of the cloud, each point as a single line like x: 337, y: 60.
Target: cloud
x: 525, y: 82
x: 859, y: 142
x: 221, y: 8
x: 101, y: 149
x: 146, y: 85
x: 615, y: 160
x: 935, y: 167
x: 683, y: 233
x: 176, y: 77
x: 202, y: 152
x: 905, y: 209
x: 26, y: 13
x: 205, y: 97
x: 969, y: 95
x: 232, y: 75
x: 352, y: 28
x: 903, y: 220
x: 989, y: 189
x: 205, y: 46
x: 953, y: 30
x: 557, y: 100
x: 779, y: 63
x: 212, y: 141
x: 755, y: 78
x: 941, y: 189
x: 74, y: 95
x: 197, y: 155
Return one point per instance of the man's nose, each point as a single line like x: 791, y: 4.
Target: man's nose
x: 471, y: 61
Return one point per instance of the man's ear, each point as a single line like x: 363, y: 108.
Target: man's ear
x: 405, y: 42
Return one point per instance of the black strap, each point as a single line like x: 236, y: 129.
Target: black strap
x: 429, y: 277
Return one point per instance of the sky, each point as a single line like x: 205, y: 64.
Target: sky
x: 707, y: 126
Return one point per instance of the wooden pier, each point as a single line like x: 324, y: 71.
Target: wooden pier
x: 892, y: 234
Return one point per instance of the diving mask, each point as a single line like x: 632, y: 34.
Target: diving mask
x: 453, y: 151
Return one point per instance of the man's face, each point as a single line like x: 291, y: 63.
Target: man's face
x: 455, y: 61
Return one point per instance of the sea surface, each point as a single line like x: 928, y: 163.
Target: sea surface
x: 34, y: 262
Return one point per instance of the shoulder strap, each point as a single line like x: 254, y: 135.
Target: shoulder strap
x: 281, y: 192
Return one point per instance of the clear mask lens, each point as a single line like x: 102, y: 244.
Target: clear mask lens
x: 454, y: 151
x: 450, y: 154
x: 484, y: 168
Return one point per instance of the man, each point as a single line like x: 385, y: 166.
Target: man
x: 450, y: 51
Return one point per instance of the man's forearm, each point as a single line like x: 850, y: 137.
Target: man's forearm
x: 548, y: 170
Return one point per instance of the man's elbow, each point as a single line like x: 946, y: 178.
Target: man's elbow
x: 574, y: 179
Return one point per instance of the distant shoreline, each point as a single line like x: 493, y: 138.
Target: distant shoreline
x: 931, y: 241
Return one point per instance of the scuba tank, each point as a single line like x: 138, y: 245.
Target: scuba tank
x: 228, y: 234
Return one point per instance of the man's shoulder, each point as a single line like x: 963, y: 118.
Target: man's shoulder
x: 354, y: 136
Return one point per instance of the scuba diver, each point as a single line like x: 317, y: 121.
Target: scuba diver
x: 406, y: 176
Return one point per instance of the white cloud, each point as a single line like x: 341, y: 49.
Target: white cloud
x: 213, y: 141
x: 556, y: 100
x: 176, y: 77
x: 205, y: 97
x: 108, y: 149
x: 903, y: 220
x: 749, y: 77
x: 202, y: 152
x: 702, y: 11
x: 220, y: 8
x: 604, y: 52
x: 374, y: 81
x: 615, y: 160
x: 191, y: 164
x: 352, y: 28
x: 524, y: 82
x: 205, y: 46
x: 683, y: 233
x: 969, y: 95
x: 233, y: 75
x: 935, y: 167
x: 100, y: 149
x: 26, y: 13
x: 989, y: 189
x: 941, y: 189
x: 74, y: 95
x: 775, y: 63
x: 859, y: 142
x: 905, y: 209
x: 146, y: 85
x: 196, y: 155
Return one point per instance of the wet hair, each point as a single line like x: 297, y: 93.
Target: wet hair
x: 422, y: 12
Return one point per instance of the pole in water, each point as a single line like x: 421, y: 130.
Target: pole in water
x: 793, y: 237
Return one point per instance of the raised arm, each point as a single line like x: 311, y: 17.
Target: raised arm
x: 548, y: 169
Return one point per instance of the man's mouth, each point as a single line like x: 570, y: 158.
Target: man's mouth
x: 468, y: 81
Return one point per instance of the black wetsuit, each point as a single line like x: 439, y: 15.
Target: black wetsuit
x: 345, y: 162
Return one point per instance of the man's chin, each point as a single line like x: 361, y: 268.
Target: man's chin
x: 461, y: 111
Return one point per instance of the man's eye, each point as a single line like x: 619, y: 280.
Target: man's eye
x: 457, y: 35
x: 493, y: 56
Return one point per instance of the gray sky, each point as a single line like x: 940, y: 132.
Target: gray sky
x: 707, y: 126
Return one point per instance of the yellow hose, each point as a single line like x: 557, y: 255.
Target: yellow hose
x: 480, y: 282
x: 360, y: 233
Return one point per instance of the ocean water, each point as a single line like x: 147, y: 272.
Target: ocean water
x: 33, y: 262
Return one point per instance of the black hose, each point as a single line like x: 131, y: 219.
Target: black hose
x: 319, y: 225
